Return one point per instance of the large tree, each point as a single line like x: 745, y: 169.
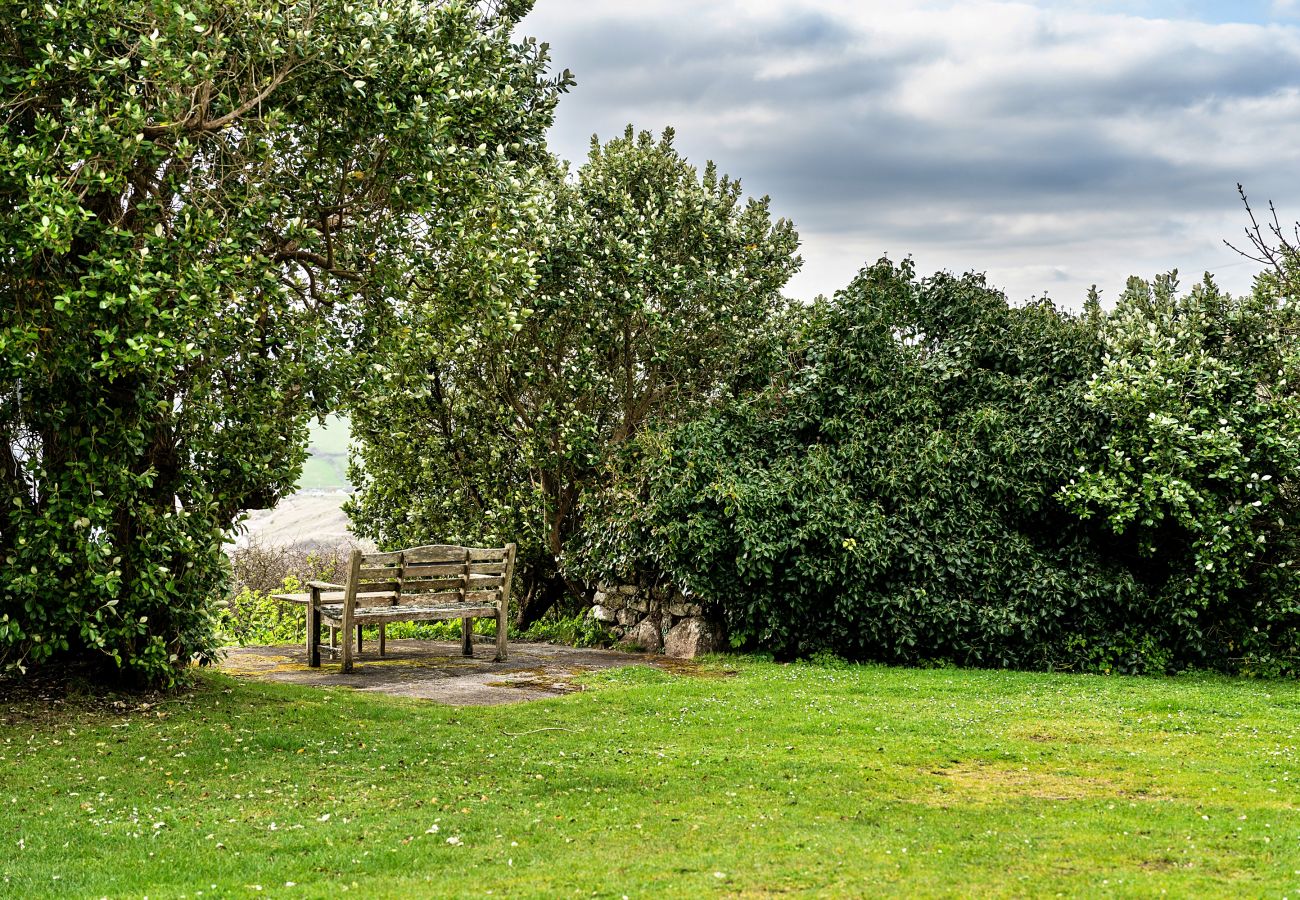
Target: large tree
x: 203, y: 205
x: 653, y: 280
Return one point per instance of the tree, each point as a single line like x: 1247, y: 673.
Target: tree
x: 1201, y: 462
x: 203, y: 206
x: 652, y: 281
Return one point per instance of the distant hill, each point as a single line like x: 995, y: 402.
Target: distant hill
x: 304, y: 520
x: 313, y: 516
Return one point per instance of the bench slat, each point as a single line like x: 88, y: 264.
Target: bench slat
x: 433, y: 554
x: 336, y: 597
x: 431, y: 597
x: 487, y: 554
x: 424, y: 587
x: 379, y: 587
x: 442, y: 553
x: 430, y: 571
x: 433, y: 571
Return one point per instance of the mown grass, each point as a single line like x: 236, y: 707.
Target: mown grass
x: 760, y: 780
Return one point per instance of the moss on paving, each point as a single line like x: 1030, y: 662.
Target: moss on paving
x: 826, y: 780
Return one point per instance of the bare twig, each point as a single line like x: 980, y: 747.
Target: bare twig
x: 1270, y: 246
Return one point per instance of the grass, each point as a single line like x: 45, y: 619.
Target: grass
x: 760, y: 780
x: 324, y: 473
x: 326, y: 468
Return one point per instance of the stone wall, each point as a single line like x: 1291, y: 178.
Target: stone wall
x: 656, y: 619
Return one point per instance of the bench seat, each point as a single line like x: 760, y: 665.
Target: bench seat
x: 421, y: 584
x: 334, y: 614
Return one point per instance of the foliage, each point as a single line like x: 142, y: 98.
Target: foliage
x: 201, y: 207
x: 252, y: 619
x: 579, y: 630
x: 892, y: 494
x: 1201, y: 462
x: 651, y: 277
x: 756, y: 779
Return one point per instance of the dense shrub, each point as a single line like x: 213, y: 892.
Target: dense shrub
x: 893, y: 493
x: 1200, y: 469
x: 252, y: 618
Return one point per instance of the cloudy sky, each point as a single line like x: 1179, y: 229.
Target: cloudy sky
x: 1050, y: 144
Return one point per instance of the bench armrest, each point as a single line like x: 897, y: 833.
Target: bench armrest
x: 325, y: 586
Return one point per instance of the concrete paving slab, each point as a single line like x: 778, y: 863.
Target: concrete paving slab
x: 435, y: 670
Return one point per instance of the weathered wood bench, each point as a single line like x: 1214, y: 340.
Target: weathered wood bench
x: 422, y: 584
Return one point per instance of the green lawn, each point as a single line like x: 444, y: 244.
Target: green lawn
x: 326, y: 468
x: 762, y: 780
x: 324, y: 473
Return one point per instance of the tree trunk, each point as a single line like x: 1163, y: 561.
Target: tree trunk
x: 546, y: 589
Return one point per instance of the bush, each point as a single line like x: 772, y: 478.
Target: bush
x: 252, y: 618
x: 1200, y: 468
x: 577, y: 631
x: 893, y: 493
x: 261, y: 568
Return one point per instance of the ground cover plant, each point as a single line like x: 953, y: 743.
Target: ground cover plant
x: 747, y: 779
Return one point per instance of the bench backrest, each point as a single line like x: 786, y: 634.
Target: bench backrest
x: 431, y: 576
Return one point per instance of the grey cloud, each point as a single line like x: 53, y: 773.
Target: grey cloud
x: 1182, y: 77
x: 924, y: 142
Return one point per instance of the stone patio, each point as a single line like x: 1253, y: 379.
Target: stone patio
x: 435, y: 670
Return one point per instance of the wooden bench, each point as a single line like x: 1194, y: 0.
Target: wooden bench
x: 422, y: 584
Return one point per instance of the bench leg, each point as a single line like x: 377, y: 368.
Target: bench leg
x: 501, y: 633
x: 383, y: 638
x: 358, y: 640
x: 313, y: 636
x: 334, y: 637
x: 345, y: 649
x: 466, y: 636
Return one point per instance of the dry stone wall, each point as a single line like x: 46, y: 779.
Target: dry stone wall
x: 657, y: 619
